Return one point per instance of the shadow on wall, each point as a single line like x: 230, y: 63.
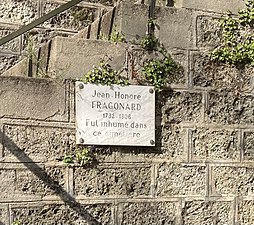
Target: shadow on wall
x: 51, y: 183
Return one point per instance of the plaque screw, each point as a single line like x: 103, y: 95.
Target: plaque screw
x: 81, y: 140
x: 152, y: 142
x: 151, y: 90
x: 81, y: 86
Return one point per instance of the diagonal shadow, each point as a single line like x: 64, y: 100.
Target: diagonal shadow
x: 51, y: 183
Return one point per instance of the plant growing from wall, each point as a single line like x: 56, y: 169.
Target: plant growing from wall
x: 105, y: 75
x: 81, y: 157
x: 117, y: 36
x: 237, y: 46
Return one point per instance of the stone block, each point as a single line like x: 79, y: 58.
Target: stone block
x: 208, y: 212
x: 6, y: 62
x: 229, y: 108
x: 22, y: 11
x: 30, y: 98
x: 246, y: 212
x: 7, y: 187
x: 209, y: 32
x: 248, y: 145
x: 131, y: 20
x: 232, y: 181
x: 174, y: 27
x: 62, y: 214
x: 172, y: 143
x: 147, y: 213
x: 181, y: 107
x: 95, y: 29
x: 106, y: 22
x: 41, y: 181
x: 4, y: 215
x: 206, y: 73
x: 178, y: 180
x: 12, y: 46
x: 112, y: 181
x: 39, y: 144
x: 72, y: 58
x: 215, y: 144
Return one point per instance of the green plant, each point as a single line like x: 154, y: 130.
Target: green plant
x: 81, y: 157
x: 105, y: 75
x: 149, y: 42
x: 16, y: 222
x: 117, y: 36
x: 237, y: 46
x: 156, y: 71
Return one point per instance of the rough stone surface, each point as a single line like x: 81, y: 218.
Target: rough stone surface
x: 7, y: 187
x: 232, y: 181
x: 246, y: 212
x: 109, y: 181
x: 208, y: 32
x: 181, y: 107
x: 203, y: 213
x: 248, y: 146
x: 40, y: 181
x: 39, y: 144
x: 32, y: 98
x: 7, y: 62
x: 148, y: 213
x: 215, y: 144
x: 206, y: 73
x: 228, y: 108
x: 175, y: 179
x: 60, y: 214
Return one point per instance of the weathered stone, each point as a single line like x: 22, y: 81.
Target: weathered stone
x: 176, y: 179
x: 21, y: 11
x: 215, y: 145
x: 208, y: 32
x: 7, y: 187
x: 110, y: 181
x: 203, y: 213
x: 6, y: 62
x: 39, y: 144
x: 232, y: 181
x: 174, y: 27
x: 148, y: 213
x: 40, y: 181
x: 67, y: 61
x: 206, y: 73
x: 106, y: 21
x: 214, y: 6
x: 32, y: 98
x: 4, y: 215
x: 228, y: 108
x: 62, y: 214
x: 248, y: 148
x: 246, y: 212
x: 181, y: 107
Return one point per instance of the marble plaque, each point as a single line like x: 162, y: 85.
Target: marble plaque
x: 115, y: 115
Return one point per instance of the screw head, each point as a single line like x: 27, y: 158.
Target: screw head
x: 81, y: 140
x: 151, y: 90
x: 152, y: 142
x: 81, y: 86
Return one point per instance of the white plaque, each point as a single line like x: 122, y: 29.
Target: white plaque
x: 115, y: 115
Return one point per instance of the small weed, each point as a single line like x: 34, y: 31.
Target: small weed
x: 80, y: 157
x: 17, y: 222
x: 117, y: 36
x: 105, y: 75
x: 149, y: 42
x: 68, y: 159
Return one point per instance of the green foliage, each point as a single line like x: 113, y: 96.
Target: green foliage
x: 105, y: 75
x: 17, y: 222
x: 149, y: 42
x: 81, y: 157
x: 156, y: 71
x: 117, y: 36
x: 237, y: 47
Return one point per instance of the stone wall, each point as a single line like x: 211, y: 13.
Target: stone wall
x: 200, y: 172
